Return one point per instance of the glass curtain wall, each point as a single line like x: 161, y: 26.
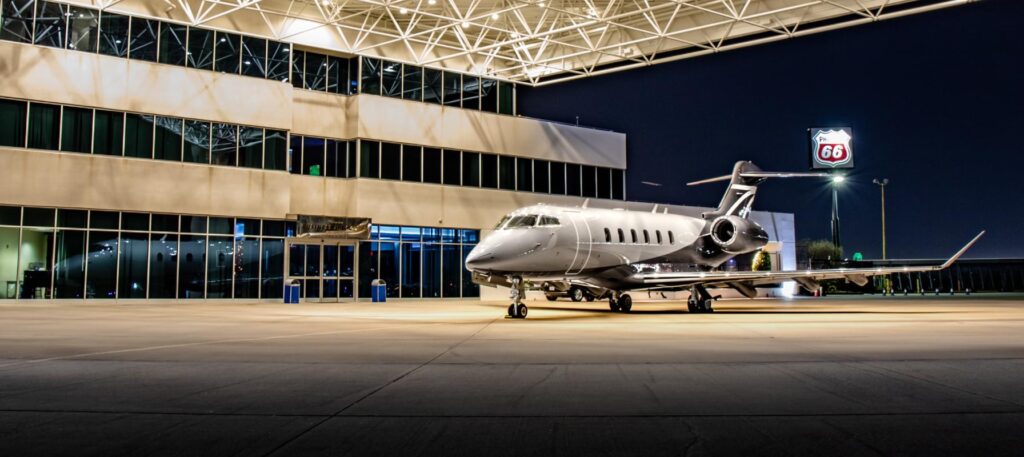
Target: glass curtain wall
x: 418, y: 262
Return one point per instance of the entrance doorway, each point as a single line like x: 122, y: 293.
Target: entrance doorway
x: 326, y: 270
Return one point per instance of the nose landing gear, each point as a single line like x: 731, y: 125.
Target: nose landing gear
x: 517, y: 310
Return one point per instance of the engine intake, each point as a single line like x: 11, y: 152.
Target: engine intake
x: 736, y: 235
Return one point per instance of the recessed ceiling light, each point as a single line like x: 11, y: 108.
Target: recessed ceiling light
x: 494, y: 16
x: 432, y: 2
x: 403, y: 10
x: 465, y: 25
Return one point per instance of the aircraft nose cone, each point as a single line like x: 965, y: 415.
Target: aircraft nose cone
x: 478, y: 258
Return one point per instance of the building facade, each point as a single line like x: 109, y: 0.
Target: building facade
x: 149, y: 159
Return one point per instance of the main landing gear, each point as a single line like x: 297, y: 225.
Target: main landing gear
x: 623, y: 303
x: 517, y: 310
x: 700, y: 300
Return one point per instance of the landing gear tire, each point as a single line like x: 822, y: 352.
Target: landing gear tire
x: 550, y: 297
x: 512, y: 310
x: 691, y: 307
x: 701, y: 306
x: 589, y: 297
x: 613, y: 305
x: 517, y: 312
x: 575, y: 294
x: 522, y: 311
x: 625, y: 303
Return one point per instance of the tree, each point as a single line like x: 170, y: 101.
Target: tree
x: 823, y: 251
x: 762, y: 261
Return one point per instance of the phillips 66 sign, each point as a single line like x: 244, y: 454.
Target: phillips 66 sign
x: 831, y: 147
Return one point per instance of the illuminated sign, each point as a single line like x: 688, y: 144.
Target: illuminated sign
x: 831, y: 147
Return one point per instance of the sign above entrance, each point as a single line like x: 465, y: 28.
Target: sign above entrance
x: 346, y: 228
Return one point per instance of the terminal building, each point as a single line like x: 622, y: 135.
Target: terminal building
x: 173, y: 150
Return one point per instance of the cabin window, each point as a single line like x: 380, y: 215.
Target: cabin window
x: 548, y: 220
x: 632, y: 234
x: 607, y: 236
x: 647, y: 237
x: 622, y: 236
x: 657, y: 233
x: 522, y: 221
x: 671, y: 238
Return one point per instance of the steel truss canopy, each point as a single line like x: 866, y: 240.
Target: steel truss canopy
x: 536, y: 42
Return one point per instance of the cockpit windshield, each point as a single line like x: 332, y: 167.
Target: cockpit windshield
x: 500, y: 223
x: 522, y: 221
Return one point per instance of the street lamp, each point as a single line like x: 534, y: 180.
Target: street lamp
x: 881, y: 183
x: 837, y: 180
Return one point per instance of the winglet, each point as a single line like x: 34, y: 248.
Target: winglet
x: 961, y: 252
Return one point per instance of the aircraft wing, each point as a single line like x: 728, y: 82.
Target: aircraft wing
x: 806, y: 278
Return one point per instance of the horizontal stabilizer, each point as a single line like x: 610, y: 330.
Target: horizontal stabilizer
x: 763, y: 175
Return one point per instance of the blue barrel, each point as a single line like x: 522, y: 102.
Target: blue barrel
x: 292, y: 293
x: 378, y: 291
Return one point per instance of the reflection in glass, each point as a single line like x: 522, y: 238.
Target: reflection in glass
x: 411, y: 253
x: 412, y: 83
x: 108, y: 133
x: 316, y: 72
x: 35, y: 269
x: 367, y: 267
x: 452, y: 89
x: 369, y: 160
x: 168, y: 139
x: 83, y: 29
x: 524, y: 174
x: 219, y: 263
x: 432, y: 165
x: 247, y: 264
x: 228, y: 56
x: 114, y: 34
x: 69, y: 270
x: 102, y: 265
x: 76, y: 135
x: 12, y: 123
x: 43, y: 122
x: 223, y: 144
x: 572, y: 179
x: 540, y: 176
x: 138, y: 135
x: 200, y: 48
x: 371, y: 77
x: 17, y: 20
x: 331, y: 261
x: 272, y: 257
x: 489, y: 171
x: 197, y: 141
x: 506, y: 98
x: 489, y: 95
x: 192, y: 279
x: 390, y: 161
x: 278, y: 61
x: 51, y: 24
x: 558, y: 178
x: 254, y: 60
x: 451, y: 270
x: 507, y: 173
x: 389, y: 271
x: 133, y: 262
x: 163, y: 265
x: 346, y: 260
x: 172, y: 43
x: 250, y: 147
x: 469, y: 288
x: 411, y: 164
x: 470, y: 92
x: 9, y: 242
x: 432, y: 88
x: 451, y: 167
x: 275, y: 150
x: 431, y: 270
x: 312, y: 260
x: 143, y: 45
x: 392, y: 79
x: 296, y: 260
x: 298, y: 69
x: 313, y: 156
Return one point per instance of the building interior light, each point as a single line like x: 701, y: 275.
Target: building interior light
x: 494, y: 16
x: 403, y: 10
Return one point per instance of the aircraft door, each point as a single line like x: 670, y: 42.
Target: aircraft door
x: 583, y: 243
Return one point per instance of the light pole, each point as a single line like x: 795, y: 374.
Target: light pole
x: 881, y: 183
x: 837, y: 180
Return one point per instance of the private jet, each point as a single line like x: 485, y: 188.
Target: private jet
x: 610, y: 252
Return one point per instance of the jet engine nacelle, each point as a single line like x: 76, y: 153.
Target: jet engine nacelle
x: 736, y: 235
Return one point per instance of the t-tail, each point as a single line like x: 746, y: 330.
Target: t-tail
x: 743, y: 183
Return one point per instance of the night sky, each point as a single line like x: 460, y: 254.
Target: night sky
x: 935, y: 100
